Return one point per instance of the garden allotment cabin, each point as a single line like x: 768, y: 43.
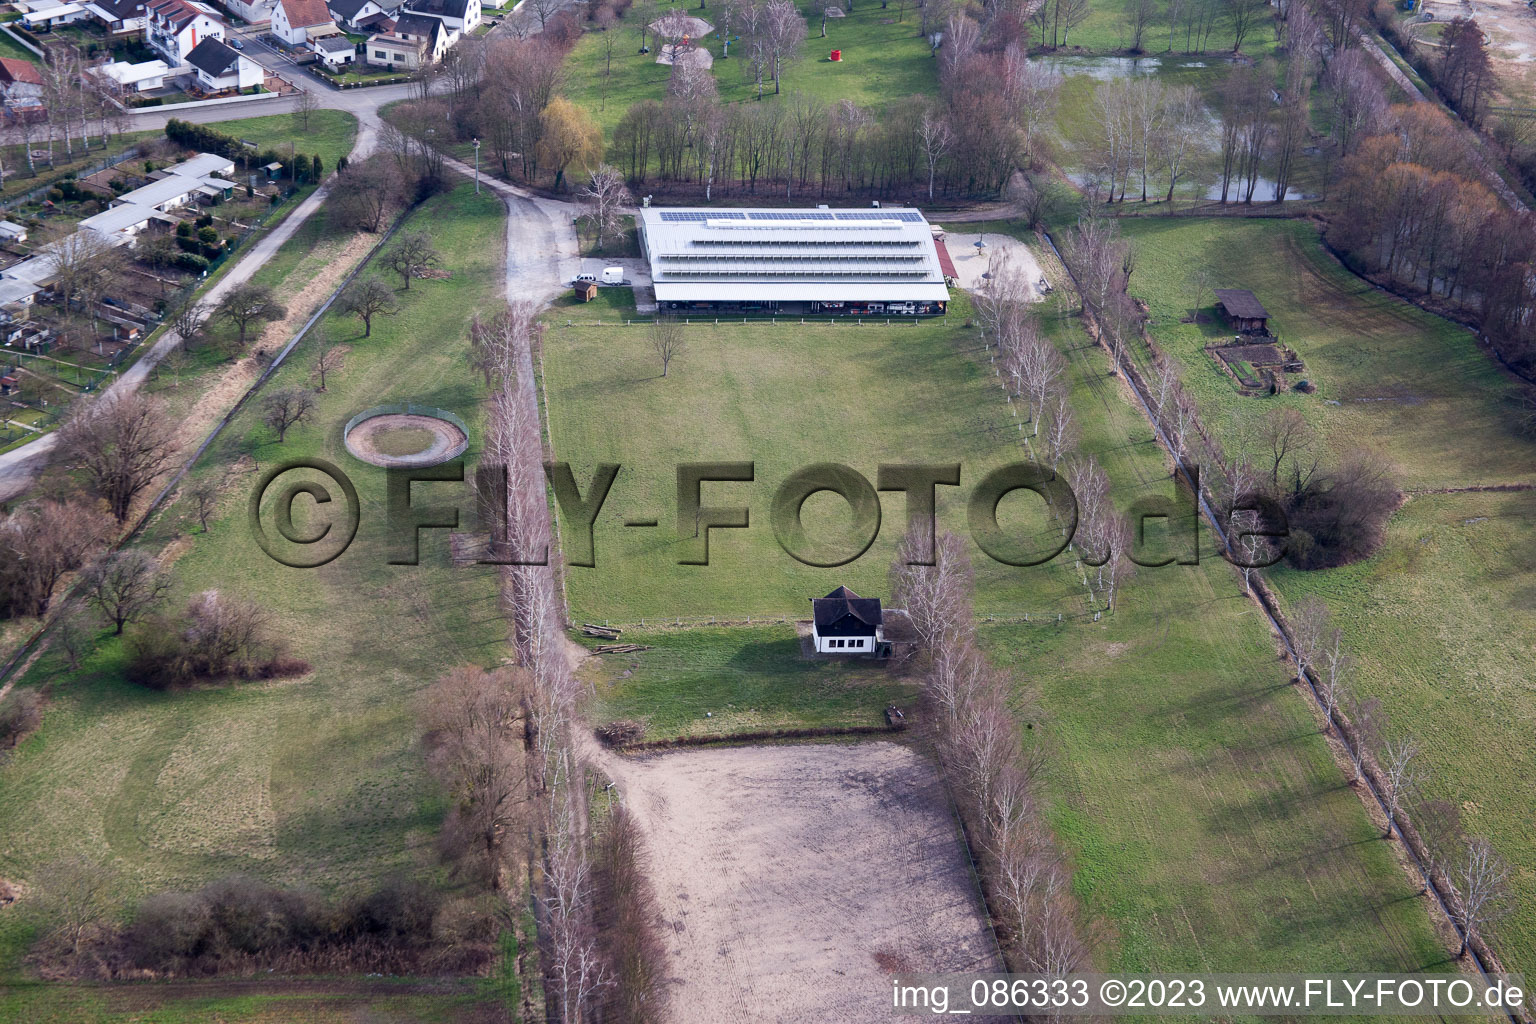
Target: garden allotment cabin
x: 793, y: 262
x: 845, y: 623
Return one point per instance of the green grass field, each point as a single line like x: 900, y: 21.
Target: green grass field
x: 784, y: 396
x: 1107, y: 30
x: 882, y: 64
x: 318, y: 780
x: 1389, y: 376
x: 1208, y: 824
x: 1436, y: 621
x: 740, y: 679
x: 330, y: 134
x: 249, y: 1002
x: 1434, y: 618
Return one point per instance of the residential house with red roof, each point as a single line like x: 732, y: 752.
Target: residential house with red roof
x: 296, y: 22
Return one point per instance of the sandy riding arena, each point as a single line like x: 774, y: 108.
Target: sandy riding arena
x: 795, y: 880
x: 402, y: 439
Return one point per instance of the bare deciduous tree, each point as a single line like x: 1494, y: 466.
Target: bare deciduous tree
x: 327, y: 363
x: 124, y: 585
x: 473, y: 737
x: 204, y: 496
x: 1481, y: 884
x: 365, y: 300
x: 74, y: 897
x: 667, y: 341
x: 606, y: 195
x: 249, y: 305
x: 1398, y: 775
x: 282, y: 410
x: 411, y: 255
x: 121, y: 442
x: 41, y: 541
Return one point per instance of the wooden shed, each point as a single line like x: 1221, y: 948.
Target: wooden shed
x: 586, y: 291
x: 1243, y: 310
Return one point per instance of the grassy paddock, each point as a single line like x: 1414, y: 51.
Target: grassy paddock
x: 318, y: 780
x: 882, y: 64
x: 1389, y: 375
x: 1208, y: 824
x: 1434, y: 618
x: 784, y: 396
x: 721, y: 681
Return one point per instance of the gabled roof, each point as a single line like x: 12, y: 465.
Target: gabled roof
x: 347, y: 10
x: 13, y: 70
x: 378, y: 23
x: 1240, y: 302
x: 119, y: 10
x: 843, y: 603
x: 439, y: 8
x: 177, y: 12
x: 409, y: 24
x: 305, y: 13
x: 212, y: 57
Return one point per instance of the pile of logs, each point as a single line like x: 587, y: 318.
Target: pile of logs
x: 606, y: 632
x: 619, y: 648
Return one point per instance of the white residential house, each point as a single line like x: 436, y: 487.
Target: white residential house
x: 417, y: 40
x: 131, y: 78
x: 363, y: 15
x: 845, y: 623
x: 336, y: 51
x: 254, y: 12
x: 42, y: 15
x: 459, y: 15
x: 220, y: 68
x: 296, y: 22
x: 174, y: 28
x: 121, y: 17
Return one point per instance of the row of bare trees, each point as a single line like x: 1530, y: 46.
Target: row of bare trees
x: 79, y: 111
x: 579, y: 974
x: 1466, y: 868
x: 995, y: 775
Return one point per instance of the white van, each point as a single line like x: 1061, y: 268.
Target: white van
x: 586, y: 278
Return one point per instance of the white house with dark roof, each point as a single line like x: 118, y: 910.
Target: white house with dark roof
x: 336, y: 51
x: 219, y: 67
x: 842, y: 262
x: 845, y: 623
x: 121, y: 17
x: 459, y: 15
x: 362, y: 15
x: 416, y: 40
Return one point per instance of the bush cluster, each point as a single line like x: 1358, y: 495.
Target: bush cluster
x: 217, y: 637
x: 236, y: 923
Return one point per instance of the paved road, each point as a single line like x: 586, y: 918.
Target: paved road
x: 18, y: 465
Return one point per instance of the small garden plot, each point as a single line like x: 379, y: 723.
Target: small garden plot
x: 795, y: 879
x: 1256, y: 367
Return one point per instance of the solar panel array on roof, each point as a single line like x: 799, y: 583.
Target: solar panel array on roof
x: 901, y: 215
x: 695, y: 215
x: 801, y: 215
